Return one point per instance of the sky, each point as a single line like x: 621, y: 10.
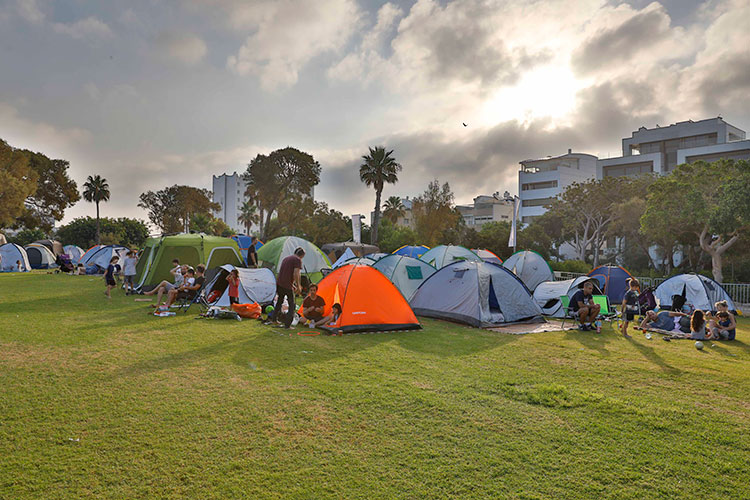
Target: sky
x: 151, y: 93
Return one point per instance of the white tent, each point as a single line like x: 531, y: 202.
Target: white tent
x: 11, y: 254
x: 348, y: 254
x: 700, y: 292
x: 530, y: 267
x: 547, y: 294
x: 40, y: 257
x: 102, y: 255
x: 75, y: 252
x: 256, y: 285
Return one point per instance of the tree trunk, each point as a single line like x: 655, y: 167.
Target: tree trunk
x: 716, y: 250
x: 98, y: 235
x: 376, y: 218
x: 268, y: 221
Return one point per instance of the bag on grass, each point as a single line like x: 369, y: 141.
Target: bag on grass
x: 249, y: 311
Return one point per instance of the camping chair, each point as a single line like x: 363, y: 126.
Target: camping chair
x: 606, y: 311
x: 566, y: 307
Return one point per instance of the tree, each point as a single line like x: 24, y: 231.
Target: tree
x: 171, y: 208
x: 96, y: 190
x: 26, y: 236
x: 82, y: 232
x: 379, y: 168
x: 248, y: 216
x: 434, y: 213
x: 393, y: 208
x: 206, y: 223
x: 272, y: 179
x: 393, y: 237
x: 17, y: 182
x: 55, y: 192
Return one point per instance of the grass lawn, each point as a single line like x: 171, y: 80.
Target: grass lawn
x: 100, y: 400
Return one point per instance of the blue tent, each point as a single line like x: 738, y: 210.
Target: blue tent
x: 443, y: 255
x: 348, y: 254
x: 244, y: 241
x: 11, y: 254
x: 476, y: 293
x: 613, y: 281
x: 411, y: 250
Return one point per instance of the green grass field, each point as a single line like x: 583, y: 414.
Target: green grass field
x: 98, y: 399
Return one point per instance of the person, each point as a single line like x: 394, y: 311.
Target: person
x: 109, y: 276
x: 177, y: 271
x: 584, y: 308
x: 252, y: 253
x: 234, y: 286
x: 667, y: 322
x: 129, y: 264
x: 332, y: 318
x: 723, y: 326
x: 698, y: 325
x: 630, y: 304
x: 190, y: 287
x: 287, y: 282
x: 313, y: 306
x: 19, y: 267
x: 80, y: 270
x: 723, y: 307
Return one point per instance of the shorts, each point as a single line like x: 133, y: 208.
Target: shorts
x: 629, y: 315
x: 234, y: 300
x: 128, y: 279
x: 111, y: 282
x: 170, y: 286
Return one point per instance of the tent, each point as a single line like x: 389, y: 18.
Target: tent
x: 354, y: 286
x: 612, y: 281
x: 443, y: 255
x: 244, y: 241
x: 101, y: 256
x: 411, y: 250
x: 488, y: 256
x: 40, y: 257
x: 347, y: 255
x: 75, y: 252
x: 54, y: 246
x: 547, y: 294
x: 699, y: 291
x: 274, y: 251
x: 376, y: 256
x: 88, y: 252
x: 155, y: 260
x: 476, y: 293
x: 12, y: 253
x: 256, y: 285
x: 365, y: 261
x: 530, y: 267
x: 407, y: 273
x: 334, y: 250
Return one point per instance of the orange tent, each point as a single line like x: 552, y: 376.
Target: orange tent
x: 369, y: 301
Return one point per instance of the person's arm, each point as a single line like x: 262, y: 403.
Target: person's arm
x: 645, y: 322
x: 732, y: 322
x: 297, y: 278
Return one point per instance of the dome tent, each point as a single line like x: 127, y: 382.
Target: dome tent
x: 547, y: 295
x: 75, y: 253
x: 256, y: 285
x: 347, y: 255
x: 40, y: 257
x: 407, y: 273
x: 12, y: 253
x: 276, y: 250
x: 488, y: 256
x: 415, y: 251
x: 443, y: 255
x: 157, y: 255
x: 530, y: 267
x: 54, y: 246
x: 353, y: 287
x: 613, y: 280
x: 101, y: 256
x: 476, y: 293
x: 699, y: 291
x: 334, y: 250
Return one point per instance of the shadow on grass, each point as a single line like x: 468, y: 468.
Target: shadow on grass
x: 650, y: 354
x: 745, y: 347
x: 591, y: 340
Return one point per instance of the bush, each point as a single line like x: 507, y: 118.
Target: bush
x: 571, y: 266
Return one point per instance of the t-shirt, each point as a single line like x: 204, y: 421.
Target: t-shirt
x: 129, y: 264
x: 234, y: 288
x: 316, y: 302
x: 178, y: 278
x: 110, y: 274
x: 580, y: 297
x: 250, y: 254
x: 199, y: 281
x: 286, y: 271
x: 189, y: 282
x: 732, y: 333
x: 631, y: 300
x: 663, y: 322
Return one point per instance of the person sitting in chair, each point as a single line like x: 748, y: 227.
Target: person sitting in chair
x: 584, y: 309
x: 191, y: 286
x: 313, y: 306
x: 178, y: 272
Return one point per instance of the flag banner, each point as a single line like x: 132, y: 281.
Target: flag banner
x: 357, y: 228
x: 514, y: 223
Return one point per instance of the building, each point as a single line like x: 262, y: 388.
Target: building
x: 661, y: 149
x: 540, y: 181
x: 486, y: 209
x: 406, y: 220
x: 229, y: 192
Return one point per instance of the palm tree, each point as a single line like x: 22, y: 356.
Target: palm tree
x: 393, y: 208
x: 96, y: 190
x: 379, y: 167
x: 248, y: 216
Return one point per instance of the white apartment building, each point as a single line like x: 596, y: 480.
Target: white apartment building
x: 229, y: 192
x: 661, y: 149
x: 541, y: 180
x: 494, y: 208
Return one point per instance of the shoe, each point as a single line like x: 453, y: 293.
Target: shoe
x: 267, y: 322
x: 311, y: 323
x: 585, y: 328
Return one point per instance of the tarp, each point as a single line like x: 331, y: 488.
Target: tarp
x: 411, y: 250
x: 348, y: 254
x: 547, y: 295
x: 40, y: 257
x: 276, y: 250
x: 407, y: 273
x: 612, y: 281
x: 12, y: 253
x: 530, y: 267
x: 256, y: 285
x: 75, y: 253
x: 700, y: 292
x: 54, y: 246
x: 369, y: 302
x: 102, y: 255
x: 487, y: 256
x: 443, y: 255
x: 476, y: 293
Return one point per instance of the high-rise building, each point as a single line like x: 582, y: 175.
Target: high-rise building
x: 229, y: 192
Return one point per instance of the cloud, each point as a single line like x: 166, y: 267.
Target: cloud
x: 30, y: 11
x: 88, y: 28
x: 184, y: 48
x: 288, y: 34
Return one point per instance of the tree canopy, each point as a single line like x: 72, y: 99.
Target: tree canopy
x: 55, y: 192
x: 123, y: 231
x: 17, y: 182
x: 379, y: 167
x: 434, y: 213
x: 170, y: 209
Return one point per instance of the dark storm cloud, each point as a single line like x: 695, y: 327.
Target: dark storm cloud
x: 617, y: 45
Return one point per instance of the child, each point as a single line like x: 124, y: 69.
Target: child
x: 109, y: 276
x: 81, y: 270
x: 234, y: 286
x: 19, y: 267
x: 723, y: 326
x: 698, y: 325
x: 129, y: 271
x: 331, y: 319
x: 630, y: 304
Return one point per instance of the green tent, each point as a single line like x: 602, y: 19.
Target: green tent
x: 273, y: 252
x: 155, y: 260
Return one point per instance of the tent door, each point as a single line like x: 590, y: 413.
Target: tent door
x: 494, y: 304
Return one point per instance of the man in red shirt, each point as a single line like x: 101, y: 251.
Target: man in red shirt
x: 313, y: 306
x: 287, y: 282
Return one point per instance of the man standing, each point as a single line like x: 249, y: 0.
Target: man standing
x: 584, y: 308
x: 288, y: 282
x: 252, y: 253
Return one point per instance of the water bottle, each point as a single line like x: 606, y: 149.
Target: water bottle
x: 598, y: 326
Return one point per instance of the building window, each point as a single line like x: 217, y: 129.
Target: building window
x: 537, y: 202
x: 538, y: 185
x: 627, y: 170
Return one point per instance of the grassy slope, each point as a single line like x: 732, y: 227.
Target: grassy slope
x: 172, y: 407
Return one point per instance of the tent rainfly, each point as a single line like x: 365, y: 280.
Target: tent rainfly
x: 547, y: 294
x: 407, y: 273
x: 347, y: 255
x: 488, y: 256
x: 256, y: 285
x: 12, y: 254
x: 443, y: 255
x: 54, y: 246
x: 102, y: 255
x: 530, y: 267
x: 415, y: 251
x: 700, y: 292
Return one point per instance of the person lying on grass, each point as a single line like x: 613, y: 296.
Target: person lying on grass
x: 630, y: 304
x: 667, y: 322
x: 584, y: 308
x: 109, y: 276
x: 189, y: 288
x: 313, y: 306
x: 177, y: 271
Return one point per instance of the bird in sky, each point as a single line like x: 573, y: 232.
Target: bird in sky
x: 464, y: 124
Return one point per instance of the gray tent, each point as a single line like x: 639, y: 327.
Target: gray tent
x: 256, y: 285
x: 40, y: 257
x: 477, y: 293
x: 699, y: 291
x: 547, y: 295
x: 443, y: 255
x: 348, y: 254
x: 407, y: 273
x: 75, y: 252
x: 530, y: 267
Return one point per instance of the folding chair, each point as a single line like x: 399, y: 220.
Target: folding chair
x: 565, y: 303
x: 606, y: 311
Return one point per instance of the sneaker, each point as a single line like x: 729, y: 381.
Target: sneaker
x: 311, y: 323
